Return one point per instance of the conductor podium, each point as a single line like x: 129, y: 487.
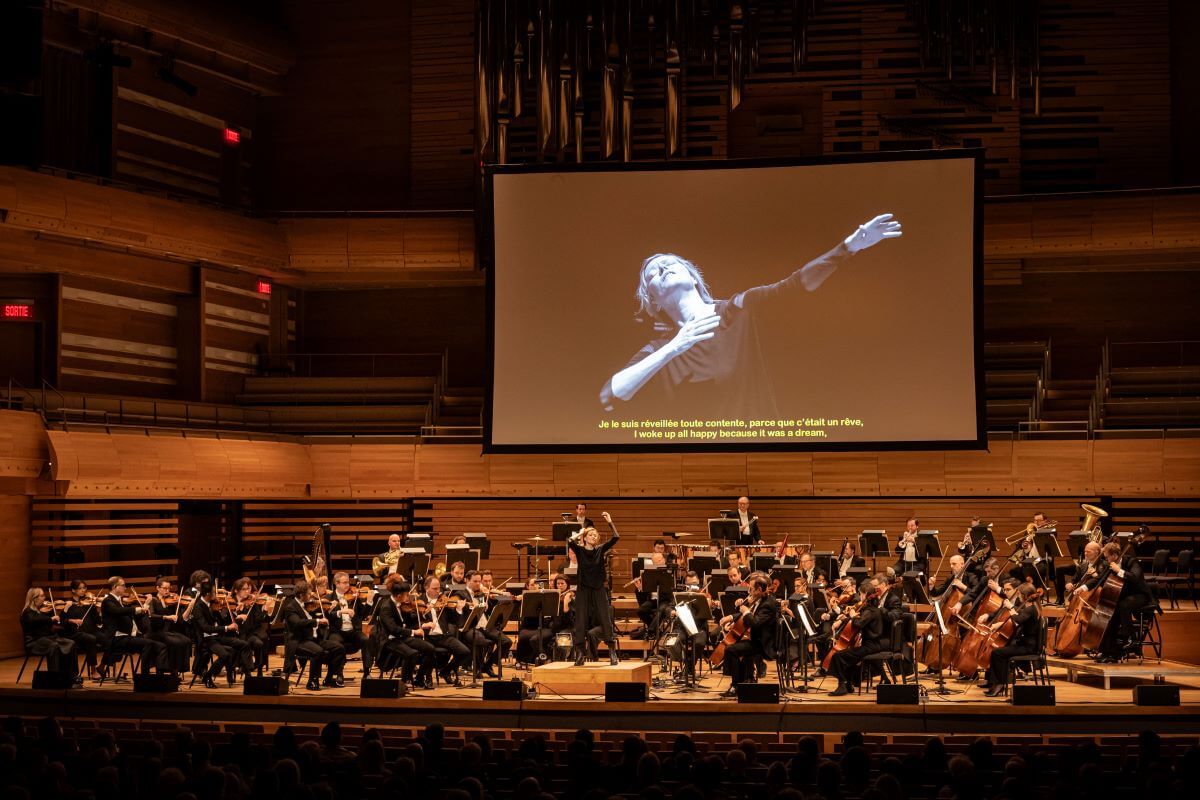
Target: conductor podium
x: 563, y: 677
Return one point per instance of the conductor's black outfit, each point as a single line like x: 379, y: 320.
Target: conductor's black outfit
x: 593, y: 606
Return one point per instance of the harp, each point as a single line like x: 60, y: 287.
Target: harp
x: 316, y: 564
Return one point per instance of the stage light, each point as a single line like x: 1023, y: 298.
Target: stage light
x: 232, y: 137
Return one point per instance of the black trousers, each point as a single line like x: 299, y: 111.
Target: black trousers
x: 531, y: 641
x: 152, y: 653
x: 457, y: 655
x: 355, y: 641
x: 1121, y: 625
x: 58, y: 651
x: 491, y: 645
x: 593, y: 607
x: 997, y: 671
x: 740, y: 661
x: 242, y: 656
x: 86, y: 643
x: 258, y: 649
x: 178, y: 648
x: 844, y: 664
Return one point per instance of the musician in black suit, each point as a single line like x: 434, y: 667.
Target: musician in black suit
x: 959, y: 577
x: 759, y: 612
x: 870, y: 620
x: 40, y: 625
x: 748, y: 532
x: 1135, y: 595
x: 390, y: 630
x: 441, y: 630
x: 908, y: 558
x: 346, y: 612
x: 126, y: 636
x: 81, y: 623
x: 306, y: 635
x: 581, y: 518
x: 1086, y: 569
x: 212, y: 633
x: 1024, y: 641
x: 252, y: 621
x: 809, y: 570
x: 848, y: 559
x: 166, y: 627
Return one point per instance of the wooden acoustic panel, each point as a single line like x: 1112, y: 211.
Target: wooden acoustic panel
x: 14, y: 570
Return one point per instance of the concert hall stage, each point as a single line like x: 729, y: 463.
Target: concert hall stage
x: 1083, y: 707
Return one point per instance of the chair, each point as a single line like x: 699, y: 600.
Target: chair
x: 130, y: 658
x: 1184, y: 575
x: 1158, y: 571
x: 28, y: 655
x: 884, y: 658
x: 1035, y: 662
x: 1146, y: 633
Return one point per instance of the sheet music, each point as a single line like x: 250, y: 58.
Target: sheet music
x: 805, y: 620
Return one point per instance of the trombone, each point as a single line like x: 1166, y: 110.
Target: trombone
x: 1028, y: 531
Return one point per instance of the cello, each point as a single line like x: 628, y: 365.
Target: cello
x: 966, y: 661
x: 929, y: 652
x: 737, y: 630
x: 1000, y: 631
x: 848, y: 635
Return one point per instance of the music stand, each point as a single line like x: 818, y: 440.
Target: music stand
x: 913, y: 588
x: 638, y: 563
x: 470, y: 624
x: 762, y: 562
x: 499, y: 617
x: 698, y: 613
x: 928, y: 546
x: 858, y: 573
x: 1076, y: 541
x: 561, y: 531
x: 464, y: 553
x: 541, y: 603
x: 786, y: 574
x: 421, y: 540
x: 730, y: 596
x: 658, y: 579
x: 982, y: 533
x: 704, y: 565
x: 723, y: 530
x: 872, y: 543
x: 480, y: 542
x: 825, y: 559
x: 717, y: 583
x: 413, y: 562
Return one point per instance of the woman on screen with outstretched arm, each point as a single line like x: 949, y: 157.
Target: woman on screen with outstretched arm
x: 702, y: 344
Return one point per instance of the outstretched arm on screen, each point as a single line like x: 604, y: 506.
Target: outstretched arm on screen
x: 626, y: 383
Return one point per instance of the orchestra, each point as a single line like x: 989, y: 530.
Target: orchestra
x: 728, y: 621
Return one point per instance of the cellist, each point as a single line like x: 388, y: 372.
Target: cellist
x: 1135, y: 594
x: 959, y: 577
x: 759, y: 613
x: 966, y: 609
x: 1024, y: 640
x: 872, y: 637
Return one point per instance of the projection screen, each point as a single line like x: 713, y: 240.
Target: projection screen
x: 736, y: 305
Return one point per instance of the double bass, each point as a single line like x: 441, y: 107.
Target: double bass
x: 1088, y: 614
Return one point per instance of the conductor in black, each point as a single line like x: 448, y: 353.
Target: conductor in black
x: 593, y: 606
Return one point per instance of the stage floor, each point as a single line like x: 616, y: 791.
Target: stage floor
x: 1083, y: 706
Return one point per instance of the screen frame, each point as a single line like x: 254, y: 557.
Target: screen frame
x: 486, y: 253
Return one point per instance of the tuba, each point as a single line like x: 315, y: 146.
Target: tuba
x: 1091, y: 523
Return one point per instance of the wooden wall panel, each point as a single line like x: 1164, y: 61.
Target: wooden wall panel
x: 117, y: 339
x: 846, y: 473
x: 1181, y: 466
x: 521, y: 475
x: 1052, y: 467
x: 586, y: 475
x: 237, y: 330
x: 780, y: 473
x: 650, y: 474
x: 919, y: 473
x: 981, y: 472
x: 14, y: 570
x: 714, y: 473
x: 24, y: 449
x: 1128, y: 466
x: 385, y: 470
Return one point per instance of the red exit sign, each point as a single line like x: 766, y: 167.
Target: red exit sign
x: 18, y: 310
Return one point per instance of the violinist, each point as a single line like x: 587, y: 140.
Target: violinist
x: 163, y: 612
x: 809, y: 570
x: 441, y: 630
x: 456, y: 581
x: 848, y: 558
x: 227, y: 613
x: 759, y: 613
x: 119, y: 610
x: 1135, y: 595
x: 40, y: 624
x: 305, y: 628
x: 890, y: 600
x: 906, y: 549
x: 401, y: 636
x: 212, y: 635
x: 346, y: 611
x: 870, y: 622
x: 1024, y: 641
x: 491, y: 644
x: 81, y: 622
x: 252, y: 621
x: 593, y: 603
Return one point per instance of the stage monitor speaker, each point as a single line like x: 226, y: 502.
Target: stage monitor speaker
x: 155, y: 683
x: 46, y: 679
x: 758, y: 692
x: 265, y: 686
x: 382, y: 688
x: 1156, y: 694
x: 625, y: 692
x: 1032, y: 695
x: 898, y: 694
x: 505, y: 690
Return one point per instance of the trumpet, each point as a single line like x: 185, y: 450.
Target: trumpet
x: 1028, y: 531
